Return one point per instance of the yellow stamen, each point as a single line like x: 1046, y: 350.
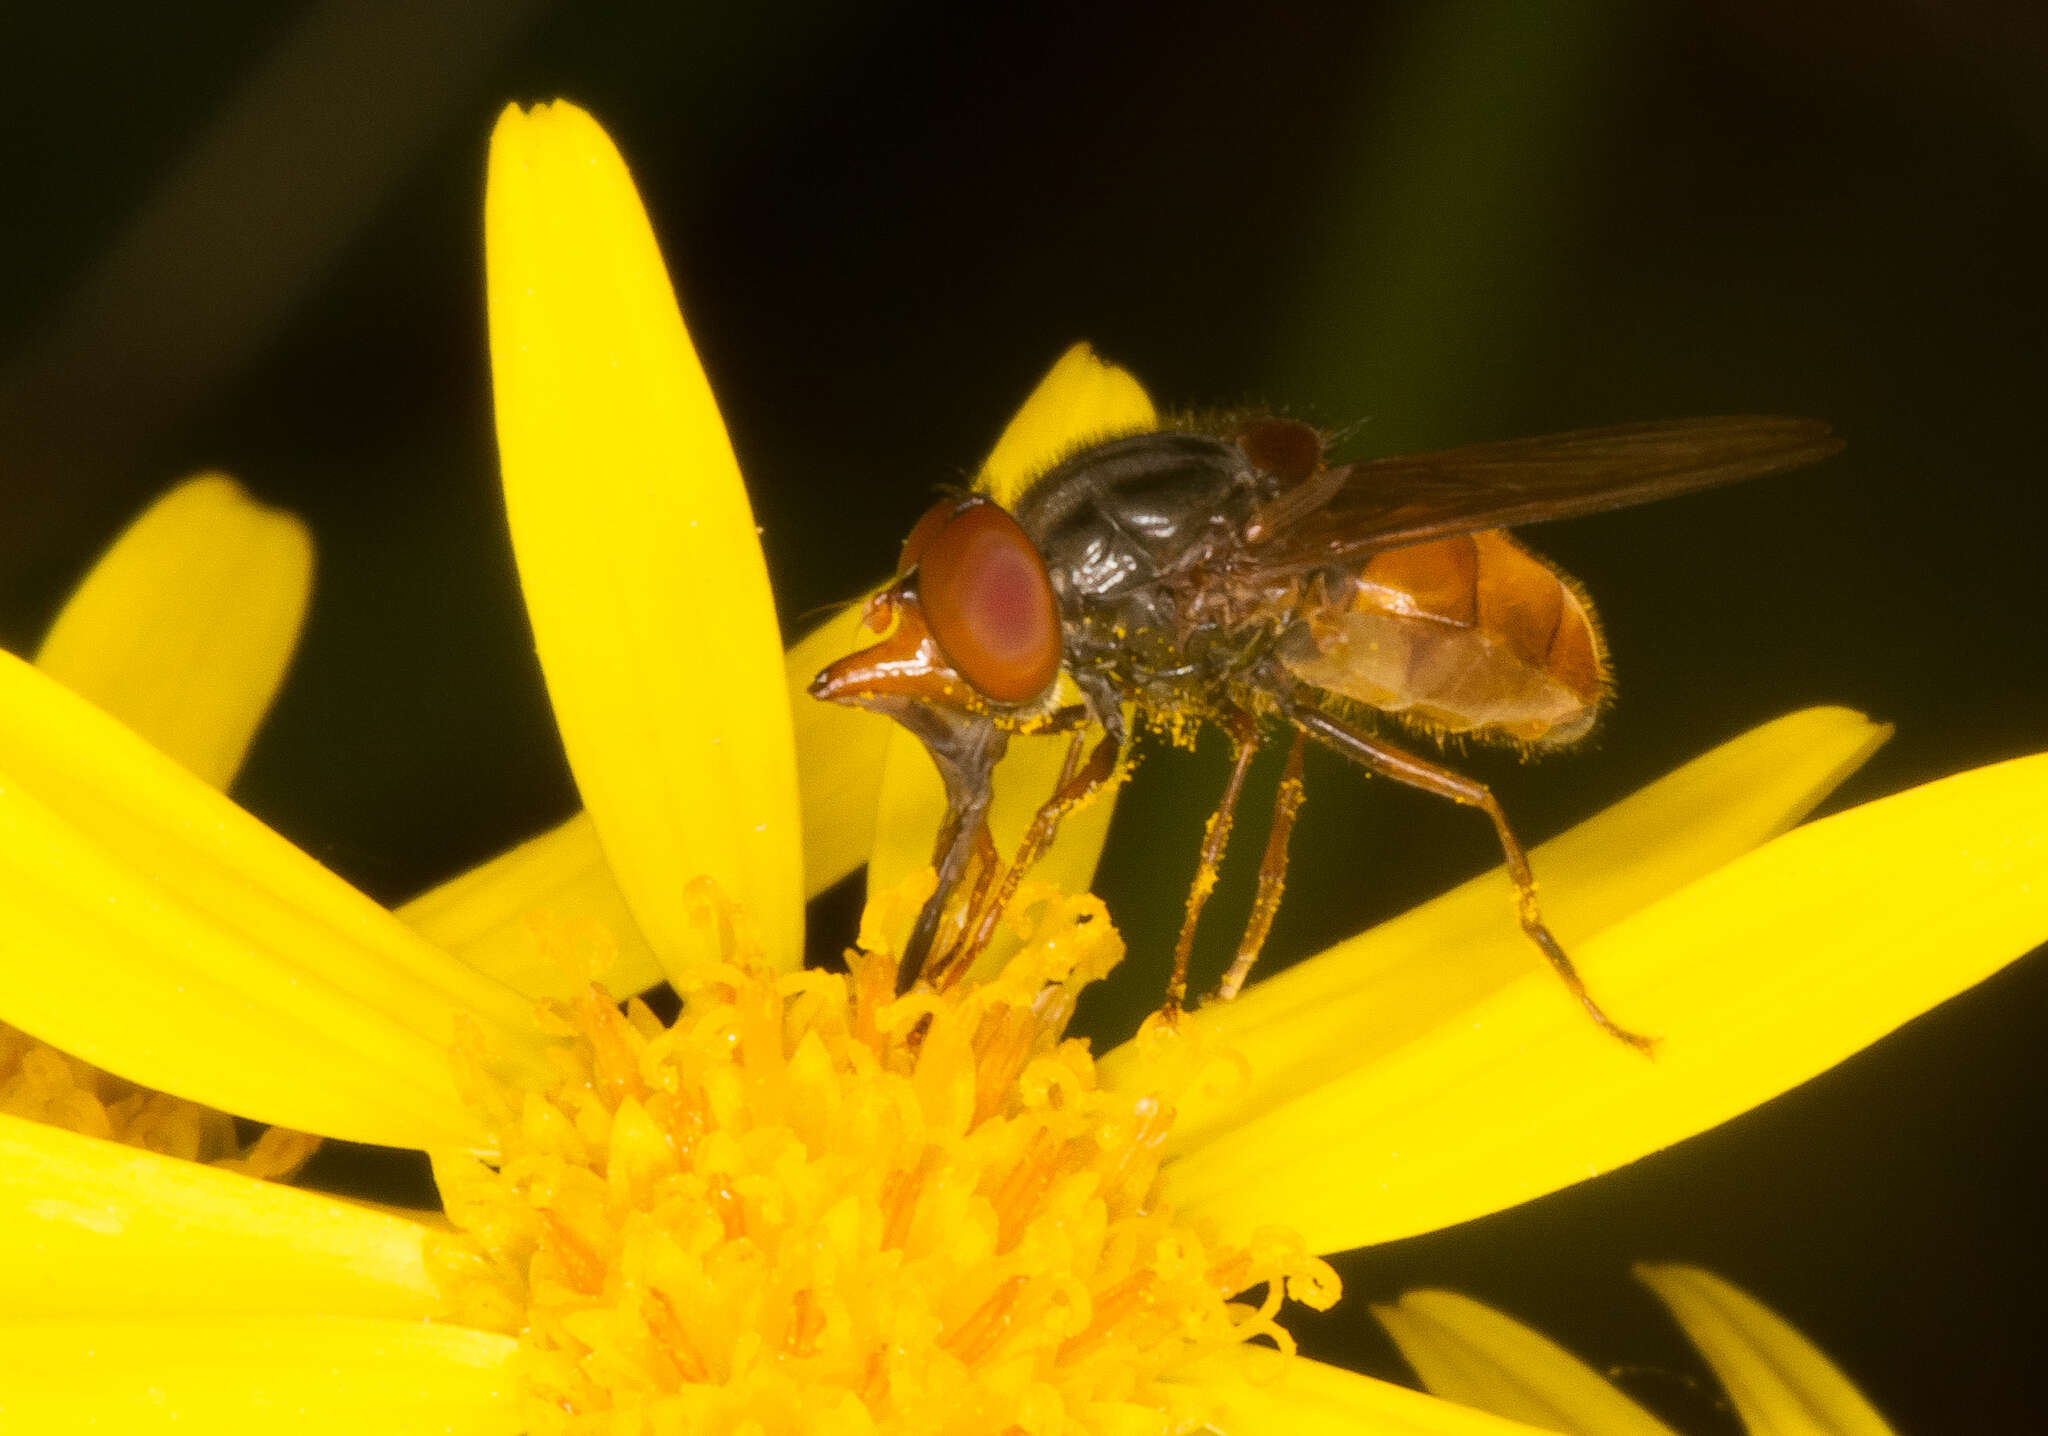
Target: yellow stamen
x: 810, y: 1206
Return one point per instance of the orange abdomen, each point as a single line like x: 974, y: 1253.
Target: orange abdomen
x: 1470, y: 634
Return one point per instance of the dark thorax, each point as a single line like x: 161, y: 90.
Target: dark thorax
x: 1138, y: 536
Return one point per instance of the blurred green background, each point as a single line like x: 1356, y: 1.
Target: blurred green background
x: 247, y: 237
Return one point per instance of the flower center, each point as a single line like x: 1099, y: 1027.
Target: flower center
x: 809, y: 1206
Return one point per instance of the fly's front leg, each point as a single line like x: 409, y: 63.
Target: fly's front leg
x: 965, y: 749
x: 1415, y: 772
x: 1244, y: 746
x: 956, y: 930
x: 1077, y: 781
x: 963, y: 839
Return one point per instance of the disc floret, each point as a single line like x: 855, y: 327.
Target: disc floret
x: 810, y: 1205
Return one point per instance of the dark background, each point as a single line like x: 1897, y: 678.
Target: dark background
x: 247, y: 237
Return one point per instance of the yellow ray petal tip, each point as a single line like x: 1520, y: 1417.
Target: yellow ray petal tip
x: 637, y: 548
x: 1777, y: 1378
x: 1082, y: 399
x: 185, y: 626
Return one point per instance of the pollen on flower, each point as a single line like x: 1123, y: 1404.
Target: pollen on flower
x: 809, y: 1205
x: 44, y: 1085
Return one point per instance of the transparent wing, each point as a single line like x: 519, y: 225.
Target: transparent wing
x: 1358, y: 509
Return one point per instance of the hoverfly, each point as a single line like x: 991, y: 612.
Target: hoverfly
x: 1233, y: 576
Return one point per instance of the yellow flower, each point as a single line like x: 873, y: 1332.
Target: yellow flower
x: 183, y: 630
x: 808, y: 1205
x: 1775, y: 1378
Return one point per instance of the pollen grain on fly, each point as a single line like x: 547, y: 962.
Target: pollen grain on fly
x: 810, y: 1205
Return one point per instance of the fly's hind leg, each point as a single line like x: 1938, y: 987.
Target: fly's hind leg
x: 1406, y: 768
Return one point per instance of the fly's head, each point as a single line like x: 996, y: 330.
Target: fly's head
x: 969, y: 647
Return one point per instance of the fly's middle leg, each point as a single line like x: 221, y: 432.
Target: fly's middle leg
x: 1244, y: 746
x: 1272, y: 875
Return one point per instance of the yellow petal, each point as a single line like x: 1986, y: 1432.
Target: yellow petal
x: 637, y: 549
x: 1780, y: 1382
x: 1756, y: 978
x: 156, y: 930
x: 1376, y: 992
x: 184, y: 628
x: 485, y: 916
x: 839, y: 756
x: 1256, y: 1393
x: 92, y: 1229
x: 1080, y: 400
x: 1475, y: 1356
x: 482, y: 915
x: 313, y: 1376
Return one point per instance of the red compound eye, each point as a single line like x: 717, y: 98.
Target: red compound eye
x: 988, y: 602
x: 921, y: 535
